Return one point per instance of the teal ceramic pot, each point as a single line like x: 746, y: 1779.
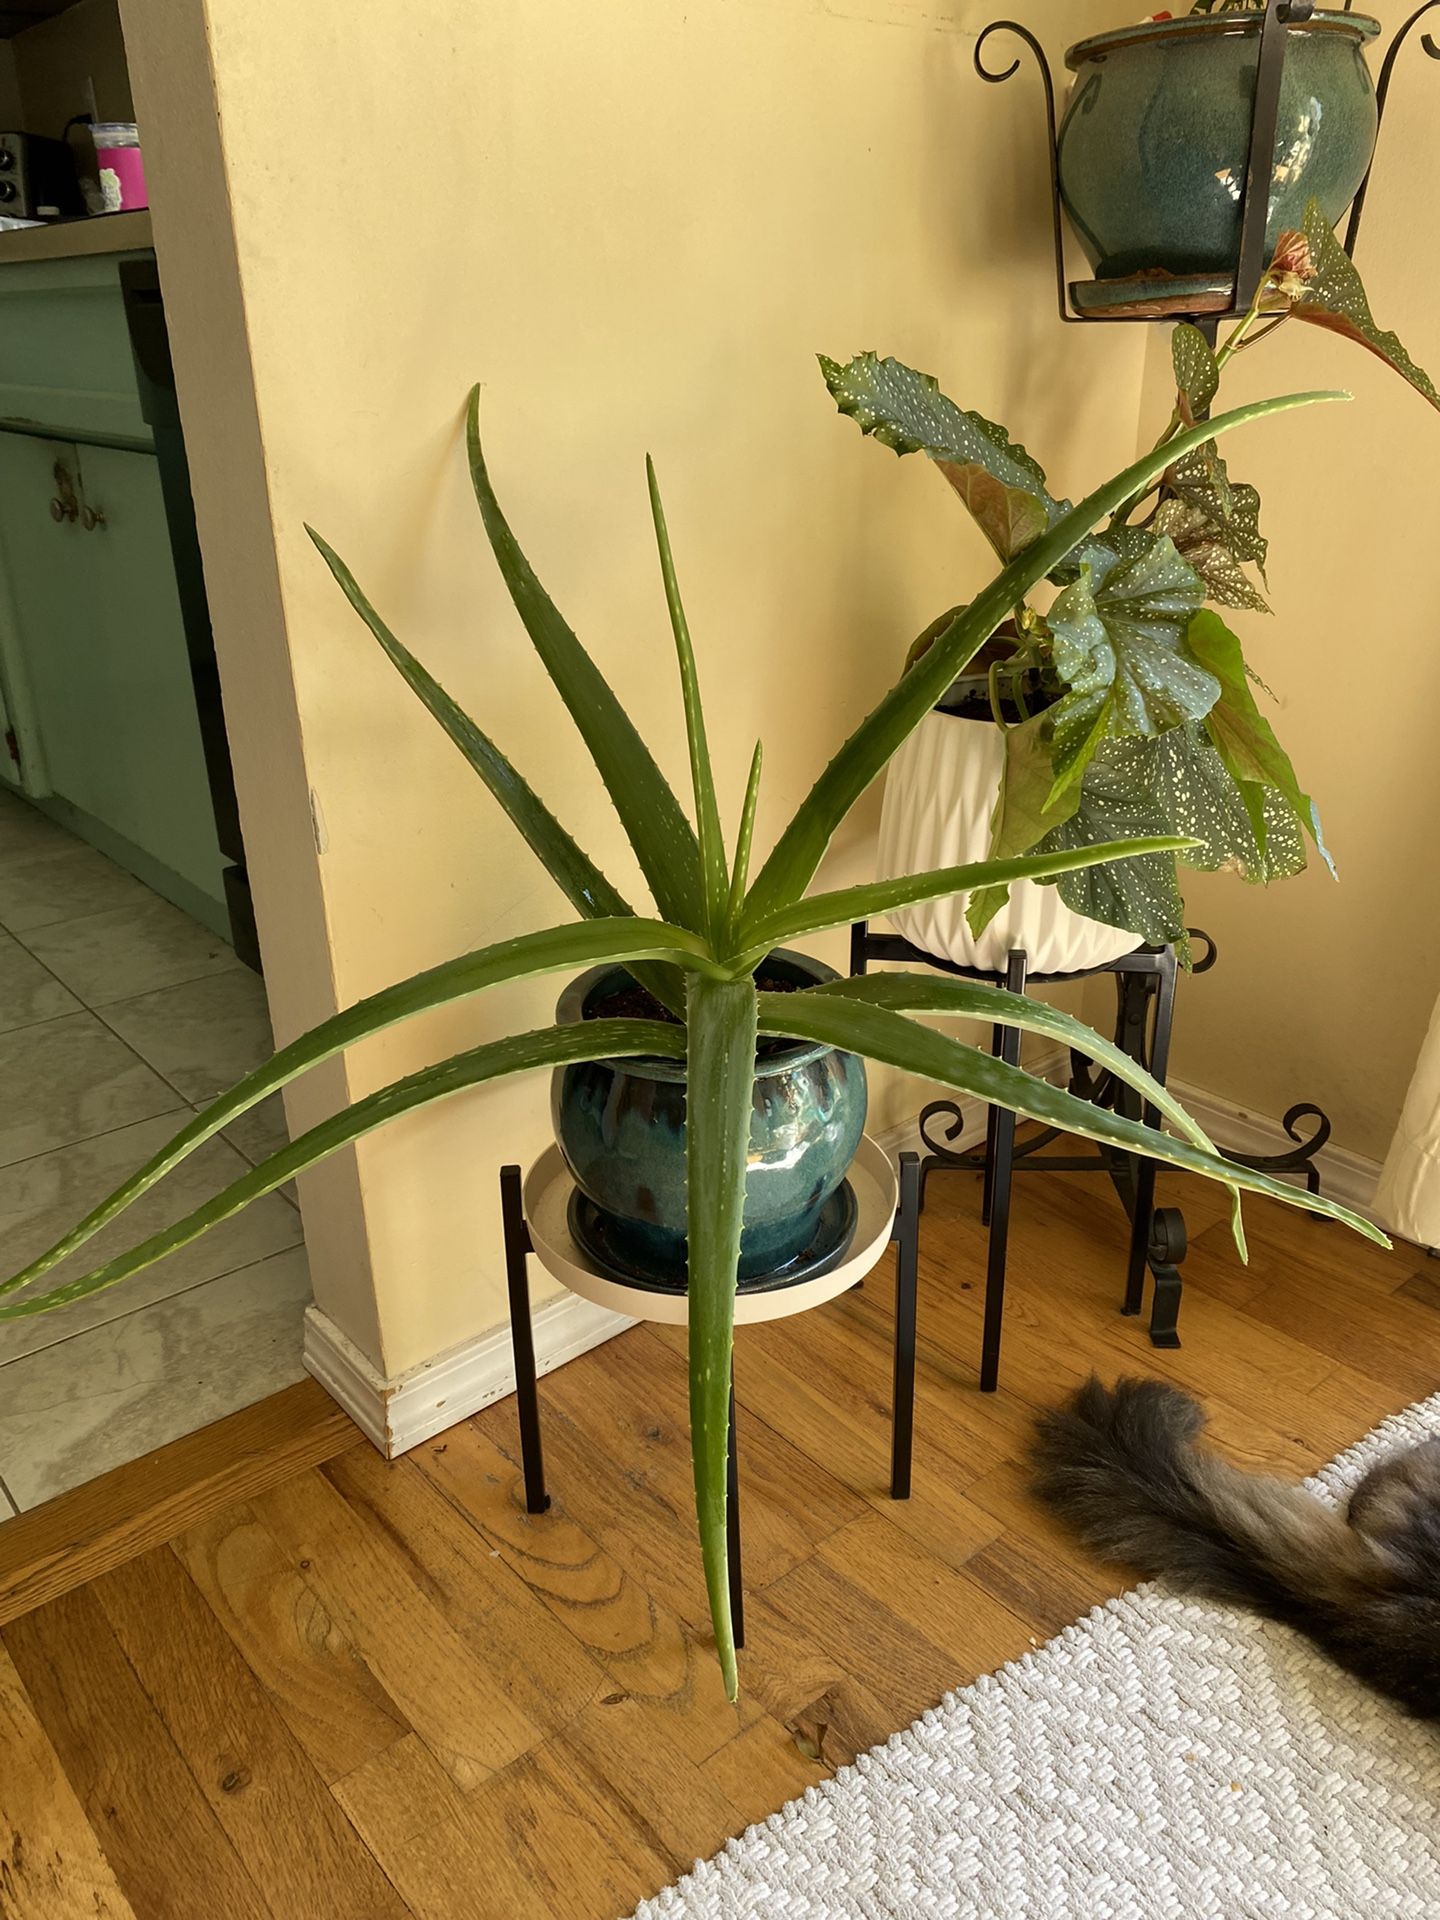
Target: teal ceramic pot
x: 1155, y: 139
x: 620, y: 1125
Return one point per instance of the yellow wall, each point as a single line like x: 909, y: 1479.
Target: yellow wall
x: 635, y: 225
x: 1323, y: 991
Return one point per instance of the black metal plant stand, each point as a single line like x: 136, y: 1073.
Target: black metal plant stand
x: 904, y: 1237
x: 1145, y: 991
x: 1145, y: 980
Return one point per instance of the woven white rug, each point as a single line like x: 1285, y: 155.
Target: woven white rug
x: 1161, y: 1758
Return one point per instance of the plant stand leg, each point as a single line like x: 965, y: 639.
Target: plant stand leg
x: 906, y: 1236
x: 1166, y: 1248
x: 1003, y: 1157
x: 1157, y: 1235
x: 992, y: 1121
x: 732, y: 1525
x: 522, y: 1339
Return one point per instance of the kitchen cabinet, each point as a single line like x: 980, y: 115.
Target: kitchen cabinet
x: 84, y: 544
x: 98, y: 656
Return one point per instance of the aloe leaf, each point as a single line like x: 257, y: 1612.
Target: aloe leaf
x: 740, y: 871
x: 569, y: 866
x: 882, y: 896
x: 889, y: 1037
x: 702, y: 775
x: 972, y: 1000
x: 719, y: 1099
x: 577, y: 875
x: 519, y: 1053
x: 1335, y: 298
x: 653, y: 819
x: 555, y: 949
x: 799, y: 850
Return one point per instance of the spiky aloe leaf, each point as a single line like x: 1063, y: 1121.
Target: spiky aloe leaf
x: 719, y: 1100
x: 520, y: 1053
x: 702, y: 774
x: 740, y: 869
x: 567, y: 863
x: 880, y: 1034
x: 996, y: 1006
x: 653, y: 819
x: 552, y: 950
x: 848, y: 904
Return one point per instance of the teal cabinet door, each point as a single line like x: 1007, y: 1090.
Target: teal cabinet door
x: 104, y: 651
x: 44, y: 595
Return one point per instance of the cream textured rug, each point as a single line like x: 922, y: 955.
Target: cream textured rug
x: 1163, y: 1758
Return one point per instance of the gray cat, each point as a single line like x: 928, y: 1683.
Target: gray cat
x: 1120, y: 1464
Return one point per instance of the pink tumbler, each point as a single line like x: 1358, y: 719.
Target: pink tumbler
x: 121, y: 168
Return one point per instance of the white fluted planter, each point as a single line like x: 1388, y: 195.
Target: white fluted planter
x: 940, y: 794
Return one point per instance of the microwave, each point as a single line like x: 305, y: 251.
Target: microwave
x: 37, y: 174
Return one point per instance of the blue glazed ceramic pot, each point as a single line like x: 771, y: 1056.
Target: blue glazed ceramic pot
x: 1155, y: 140
x: 621, y: 1126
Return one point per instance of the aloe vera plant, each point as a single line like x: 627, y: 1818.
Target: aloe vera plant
x: 699, y: 953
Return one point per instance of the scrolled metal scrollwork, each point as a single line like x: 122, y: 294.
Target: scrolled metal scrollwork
x: 948, y: 1146
x: 1430, y: 46
x: 996, y: 76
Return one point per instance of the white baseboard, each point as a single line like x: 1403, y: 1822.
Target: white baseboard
x: 398, y: 1414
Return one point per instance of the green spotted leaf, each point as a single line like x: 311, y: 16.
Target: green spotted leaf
x: 1000, y: 483
x: 1118, y: 638
x: 1246, y: 742
x: 1335, y: 298
x: 1197, y: 375
x: 1231, y: 509
x: 1020, y: 820
x: 1199, y: 545
x: 1175, y: 783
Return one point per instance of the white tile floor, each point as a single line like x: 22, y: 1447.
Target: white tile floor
x: 117, y: 1014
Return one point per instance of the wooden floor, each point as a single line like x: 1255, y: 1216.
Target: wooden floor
x: 272, y: 1675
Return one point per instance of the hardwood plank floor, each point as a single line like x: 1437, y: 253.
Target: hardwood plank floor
x: 265, y: 1674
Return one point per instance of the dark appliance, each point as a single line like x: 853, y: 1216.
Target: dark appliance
x: 35, y: 173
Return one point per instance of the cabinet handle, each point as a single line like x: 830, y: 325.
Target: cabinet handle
x: 63, y: 509
x: 91, y: 518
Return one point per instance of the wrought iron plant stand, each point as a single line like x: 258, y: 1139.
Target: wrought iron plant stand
x: 1145, y: 1010
x: 1145, y: 980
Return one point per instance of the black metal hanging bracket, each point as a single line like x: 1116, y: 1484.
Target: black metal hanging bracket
x: 1279, y: 17
x: 1429, y: 45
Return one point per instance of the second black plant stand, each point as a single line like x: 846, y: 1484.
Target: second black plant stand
x: 1145, y: 994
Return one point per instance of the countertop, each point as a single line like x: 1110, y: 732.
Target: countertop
x: 75, y: 239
